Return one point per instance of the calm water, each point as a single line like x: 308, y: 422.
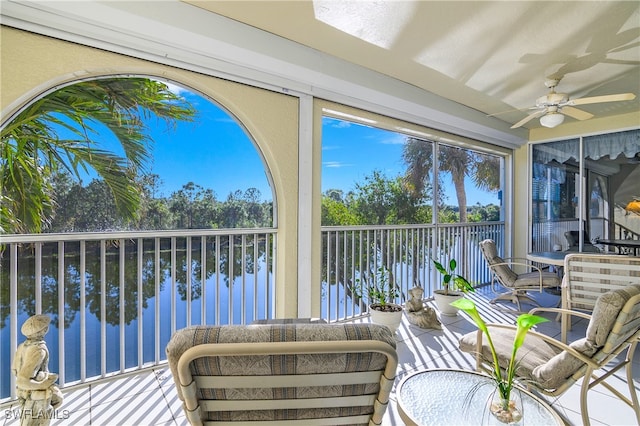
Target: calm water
x: 217, y: 294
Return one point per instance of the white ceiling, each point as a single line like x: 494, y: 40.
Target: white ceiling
x: 441, y: 64
x: 492, y: 56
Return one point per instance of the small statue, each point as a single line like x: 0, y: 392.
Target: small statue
x: 38, y: 394
x: 420, y: 315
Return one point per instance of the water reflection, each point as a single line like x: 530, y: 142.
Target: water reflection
x: 171, y: 282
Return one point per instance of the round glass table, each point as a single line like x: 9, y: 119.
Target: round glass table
x: 448, y: 397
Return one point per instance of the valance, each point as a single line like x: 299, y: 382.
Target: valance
x: 595, y: 147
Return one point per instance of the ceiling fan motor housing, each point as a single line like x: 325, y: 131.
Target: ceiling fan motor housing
x: 552, y: 99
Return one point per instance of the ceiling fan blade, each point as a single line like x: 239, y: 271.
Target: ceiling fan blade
x: 604, y: 98
x: 576, y: 113
x: 529, y: 118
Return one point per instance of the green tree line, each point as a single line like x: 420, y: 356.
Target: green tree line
x: 93, y: 208
x: 381, y: 200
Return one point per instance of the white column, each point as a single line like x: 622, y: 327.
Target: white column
x: 305, y: 205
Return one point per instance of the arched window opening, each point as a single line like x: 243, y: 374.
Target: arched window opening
x: 131, y: 207
x: 130, y: 154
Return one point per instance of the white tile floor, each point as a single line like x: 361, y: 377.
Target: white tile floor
x: 149, y: 398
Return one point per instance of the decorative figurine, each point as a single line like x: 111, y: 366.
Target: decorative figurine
x: 37, y: 393
x: 420, y: 315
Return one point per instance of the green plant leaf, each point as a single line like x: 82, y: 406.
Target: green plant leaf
x: 525, y: 322
x: 439, y: 267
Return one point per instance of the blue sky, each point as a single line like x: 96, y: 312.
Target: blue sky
x: 215, y: 152
x: 352, y: 151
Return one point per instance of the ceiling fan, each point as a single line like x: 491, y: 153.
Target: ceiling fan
x: 552, y: 107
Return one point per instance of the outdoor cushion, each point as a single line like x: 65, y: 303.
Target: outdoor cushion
x: 286, y: 365
x: 606, y: 311
x: 533, y: 279
x: 505, y: 274
x: 559, y: 368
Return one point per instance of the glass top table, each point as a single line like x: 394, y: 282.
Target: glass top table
x: 448, y: 397
x: 555, y: 258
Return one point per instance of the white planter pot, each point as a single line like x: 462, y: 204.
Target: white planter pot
x: 443, y: 301
x: 390, y: 319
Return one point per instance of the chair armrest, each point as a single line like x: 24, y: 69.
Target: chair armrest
x: 527, y: 264
x: 561, y: 311
x: 519, y: 259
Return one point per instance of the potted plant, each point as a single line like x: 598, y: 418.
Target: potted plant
x: 380, y: 294
x: 504, y: 405
x: 454, y: 285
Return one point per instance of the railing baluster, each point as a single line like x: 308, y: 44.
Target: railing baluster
x: 61, y: 326
x: 203, y: 280
x: 121, y: 294
x: 218, y: 303
x: 103, y: 308
x: 13, y: 306
x: 157, y: 277
x: 188, y: 279
x: 38, y: 277
x: 140, y: 295
x: 83, y: 311
x: 231, y: 276
x: 173, y: 284
x: 243, y: 280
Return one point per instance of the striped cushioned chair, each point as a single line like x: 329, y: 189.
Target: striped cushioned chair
x: 552, y: 367
x: 276, y: 374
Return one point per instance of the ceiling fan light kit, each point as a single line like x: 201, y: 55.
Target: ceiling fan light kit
x: 552, y: 119
x: 552, y: 107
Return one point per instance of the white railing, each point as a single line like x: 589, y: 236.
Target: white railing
x: 116, y: 298
x: 352, y: 253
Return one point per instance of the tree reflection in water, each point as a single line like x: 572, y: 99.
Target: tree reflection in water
x: 113, y: 297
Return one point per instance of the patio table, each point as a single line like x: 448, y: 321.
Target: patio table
x: 630, y: 244
x: 555, y: 258
x: 459, y: 397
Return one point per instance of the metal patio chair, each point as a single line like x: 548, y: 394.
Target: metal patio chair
x: 517, y: 285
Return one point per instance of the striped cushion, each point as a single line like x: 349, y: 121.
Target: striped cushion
x: 282, y: 364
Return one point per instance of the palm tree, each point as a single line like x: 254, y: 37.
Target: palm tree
x: 459, y: 162
x: 418, y: 156
x: 57, y: 132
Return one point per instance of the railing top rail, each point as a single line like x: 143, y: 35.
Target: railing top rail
x: 116, y: 235
x: 409, y: 226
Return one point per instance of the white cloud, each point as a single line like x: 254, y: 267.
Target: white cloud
x: 395, y: 139
x: 336, y: 164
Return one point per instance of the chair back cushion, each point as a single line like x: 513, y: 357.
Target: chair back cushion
x: 602, y: 336
x: 505, y: 275
x: 265, y: 366
x: 607, y: 311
